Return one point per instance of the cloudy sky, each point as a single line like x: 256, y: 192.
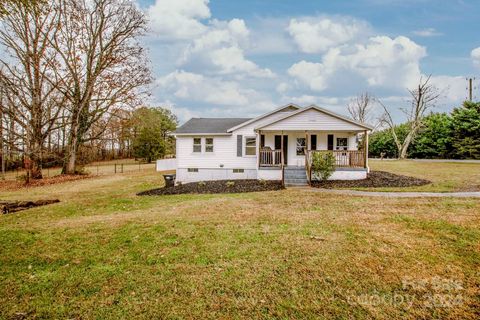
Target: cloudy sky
x: 223, y: 58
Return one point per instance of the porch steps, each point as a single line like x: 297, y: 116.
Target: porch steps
x: 295, y: 176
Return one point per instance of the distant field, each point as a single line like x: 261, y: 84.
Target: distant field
x: 99, y: 167
x: 105, y: 253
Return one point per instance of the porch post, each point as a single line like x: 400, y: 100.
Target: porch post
x: 258, y: 148
x: 281, y: 148
x: 306, y: 157
x: 365, y: 149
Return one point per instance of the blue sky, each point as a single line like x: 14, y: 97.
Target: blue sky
x: 241, y: 58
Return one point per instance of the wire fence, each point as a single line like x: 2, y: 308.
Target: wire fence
x: 93, y: 169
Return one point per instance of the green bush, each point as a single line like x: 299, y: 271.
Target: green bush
x: 323, y: 164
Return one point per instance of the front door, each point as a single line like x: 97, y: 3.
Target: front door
x: 278, y: 146
x: 330, y: 142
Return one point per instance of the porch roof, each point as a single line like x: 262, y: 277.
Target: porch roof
x: 316, y: 119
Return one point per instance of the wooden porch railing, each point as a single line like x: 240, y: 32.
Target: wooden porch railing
x: 270, y: 158
x: 343, y: 159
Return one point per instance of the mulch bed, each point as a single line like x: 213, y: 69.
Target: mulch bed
x: 221, y: 186
x: 375, y: 179
x: 14, y: 206
x: 10, y: 185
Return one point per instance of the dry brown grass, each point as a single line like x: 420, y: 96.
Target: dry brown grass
x: 445, y: 176
x: 105, y: 253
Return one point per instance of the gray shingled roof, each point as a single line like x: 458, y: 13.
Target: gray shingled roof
x: 209, y: 125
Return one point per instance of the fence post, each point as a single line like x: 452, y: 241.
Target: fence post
x: 115, y: 167
x: 121, y: 167
x: 97, y: 169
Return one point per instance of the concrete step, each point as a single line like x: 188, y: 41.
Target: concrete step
x: 296, y: 174
x: 296, y: 184
x: 295, y: 177
x: 294, y: 181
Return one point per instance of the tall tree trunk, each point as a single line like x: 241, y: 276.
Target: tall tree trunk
x: 69, y: 165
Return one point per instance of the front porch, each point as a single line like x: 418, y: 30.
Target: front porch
x: 293, y: 150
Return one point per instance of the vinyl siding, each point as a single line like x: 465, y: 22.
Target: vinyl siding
x: 313, y: 120
x: 224, y: 153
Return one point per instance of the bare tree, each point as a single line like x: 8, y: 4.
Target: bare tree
x: 33, y: 102
x: 104, y: 64
x: 423, y: 98
x: 361, y: 107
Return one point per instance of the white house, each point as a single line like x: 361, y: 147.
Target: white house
x: 273, y: 146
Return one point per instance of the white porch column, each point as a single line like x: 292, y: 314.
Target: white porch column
x: 366, y: 150
x: 258, y: 149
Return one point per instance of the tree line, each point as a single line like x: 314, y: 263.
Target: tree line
x: 454, y: 135
x: 423, y: 133
x: 72, y: 77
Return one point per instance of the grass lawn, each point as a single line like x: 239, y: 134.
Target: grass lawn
x: 105, y: 253
x: 445, y: 176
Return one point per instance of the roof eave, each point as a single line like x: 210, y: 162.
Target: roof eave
x: 333, y: 114
x: 263, y: 116
x: 201, y: 134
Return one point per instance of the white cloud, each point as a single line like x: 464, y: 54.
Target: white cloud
x: 428, y: 32
x: 309, y: 99
x: 475, y: 54
x: 268, y: 36
x: 178, y: 19
x: 315, y: 35
x: 220, y: 50
x: 222, y: 97
x: 191, y: 86
x: 282, y: 87
x: 452, y: 88
x: 381, y: 62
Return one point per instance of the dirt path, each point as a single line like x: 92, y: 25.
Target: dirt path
x: 398, y: 194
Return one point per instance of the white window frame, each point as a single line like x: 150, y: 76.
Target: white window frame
x: 208, y: 145
x: 297, y: 146
x: 245, y: 146
x: 337, y: 147
x: 195, y: 145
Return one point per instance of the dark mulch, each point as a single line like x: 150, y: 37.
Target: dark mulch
x: 375, y: 179
x: 14, y: 206
x: 221, y: 186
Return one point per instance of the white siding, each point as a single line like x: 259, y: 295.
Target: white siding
x: 348, y: 175
x: 166, y: 164
x: 270, y: 174
x: 183, y: 176
x: 224, y: 154
x: 312, y: 120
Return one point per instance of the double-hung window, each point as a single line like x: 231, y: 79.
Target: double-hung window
x: 301, y: 143
x: 208, y: 144
x: 197, y: 144
x: 250, y: 146
x: 342, y: 143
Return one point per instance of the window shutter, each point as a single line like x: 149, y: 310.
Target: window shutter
x: 239, y: 145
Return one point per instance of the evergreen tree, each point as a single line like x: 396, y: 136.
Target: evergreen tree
x: 434, y: 140
x: 151, y: 127
x: 466, y: 130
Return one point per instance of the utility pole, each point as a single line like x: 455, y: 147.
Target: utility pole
x: 470, y: 88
